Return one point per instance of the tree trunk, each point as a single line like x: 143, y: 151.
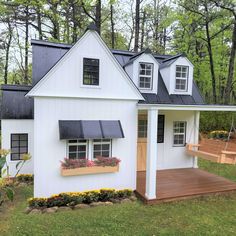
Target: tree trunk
x: 98, y: 15
x: 143, y: 30
x: 213, y: 78
x: 26, y: 75
x: 112, y: 28
x: 229, y: 83
x: 137, y: 25
x: 39, y: 23
x: 75, y: 23
x: 7, y: 51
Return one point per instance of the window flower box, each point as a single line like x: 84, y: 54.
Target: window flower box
x: 85, y: 167
x: 89, y: 170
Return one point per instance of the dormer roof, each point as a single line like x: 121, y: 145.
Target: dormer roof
x: 167, y: 62
x: 135, y: 56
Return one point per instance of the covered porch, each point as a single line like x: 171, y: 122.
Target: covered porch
x: 180, y: 184
x: 154, y: 185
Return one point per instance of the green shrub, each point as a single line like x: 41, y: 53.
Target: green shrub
x: 25, y: 178
x: 218, y: 134
x: 210, y: 121
x: 74, y: 198
x: 107, y: 194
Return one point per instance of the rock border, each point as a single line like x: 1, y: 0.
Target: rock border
x: 56, y: 209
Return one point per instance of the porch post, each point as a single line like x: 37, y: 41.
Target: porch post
x: 196, y: 135
x: 151, y: 161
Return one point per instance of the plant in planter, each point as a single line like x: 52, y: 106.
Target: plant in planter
x: 71, y: 167
x: 106, y: 161
x: 75, y: 163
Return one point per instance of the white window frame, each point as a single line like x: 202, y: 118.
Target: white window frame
x: 181, y: 78
x: 77, y: 143
x: 146, y: 76
x: 101, y: 142
x: 179, y: 133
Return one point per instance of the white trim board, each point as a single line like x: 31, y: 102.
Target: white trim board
x: 174, y: 107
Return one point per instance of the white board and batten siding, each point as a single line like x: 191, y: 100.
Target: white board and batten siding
x: 18, y: 127
x: 168, y: 155
x: 50, y: 150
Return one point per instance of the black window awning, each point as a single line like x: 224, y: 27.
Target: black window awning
x: 90, y: 129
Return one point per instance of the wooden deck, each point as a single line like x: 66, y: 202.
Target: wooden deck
x: 180, y: 184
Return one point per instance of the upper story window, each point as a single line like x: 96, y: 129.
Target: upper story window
x: 90, y: 71
x: 181, y: 75
x: 145, y: 75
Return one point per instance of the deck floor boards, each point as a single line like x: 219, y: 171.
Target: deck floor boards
x: 183, y: 183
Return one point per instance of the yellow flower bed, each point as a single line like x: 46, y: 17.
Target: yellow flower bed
x: 74, y: 198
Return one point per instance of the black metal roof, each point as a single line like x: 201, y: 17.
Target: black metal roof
x: 163, y: 97
x: 15, y: 105
x: 86, y: 129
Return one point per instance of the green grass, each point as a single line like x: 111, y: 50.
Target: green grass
x: 215, y: 215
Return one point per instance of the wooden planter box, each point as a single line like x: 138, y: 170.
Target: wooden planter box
x: 89, y: 170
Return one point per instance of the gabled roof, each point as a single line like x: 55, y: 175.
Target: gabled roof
x: 33, y: 91
x: 135, y: 56
x: 167, y: 62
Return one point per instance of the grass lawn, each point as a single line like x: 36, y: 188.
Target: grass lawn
x: 215, y: 215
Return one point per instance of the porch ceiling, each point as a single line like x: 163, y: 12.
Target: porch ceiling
x: 187, y: 107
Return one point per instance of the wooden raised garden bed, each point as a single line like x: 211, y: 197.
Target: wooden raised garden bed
x: 89, y: 170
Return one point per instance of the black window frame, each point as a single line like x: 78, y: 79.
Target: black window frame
x: 91, y: 69
x: 160, y: 128
x: 19, y: 153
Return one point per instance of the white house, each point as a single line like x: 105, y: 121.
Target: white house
x: 86, y: 100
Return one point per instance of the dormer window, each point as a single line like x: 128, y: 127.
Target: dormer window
x: 181, y: 78
x: 91, y: 71
x: 145, y: 75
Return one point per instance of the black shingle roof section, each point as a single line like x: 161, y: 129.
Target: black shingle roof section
x: 15, y: 105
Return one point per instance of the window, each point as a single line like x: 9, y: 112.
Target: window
x: 91, y: 71
x: 181, y: 78
x: 142, y: 128
x: 145, y: 75
x: 101, y: 147
x: 19, y: 146
x: 77, y: 149
x: 179, y: 133
x: 160, y: 129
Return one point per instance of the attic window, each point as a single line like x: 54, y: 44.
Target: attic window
x: 181, y: 78
x: 145, y: 75
x: 90, y: 71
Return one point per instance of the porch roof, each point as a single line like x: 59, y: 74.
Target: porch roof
x: 175, y: 107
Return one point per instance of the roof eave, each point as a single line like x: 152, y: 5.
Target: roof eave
x: 201, y: 107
